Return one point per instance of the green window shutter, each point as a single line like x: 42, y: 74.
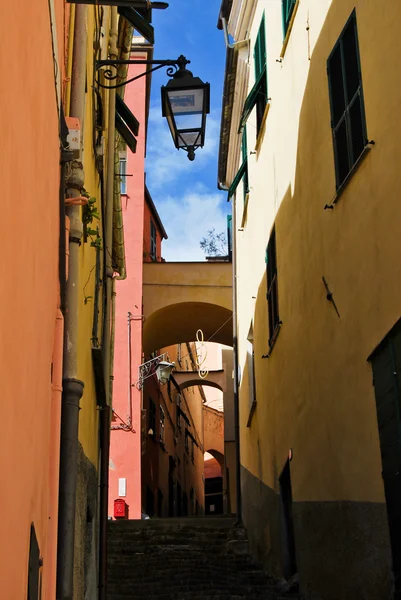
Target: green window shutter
x: 244, y: 151
x: 287, y: 7
x: 140, y: 22
x: 259, y: 53
x: 229, y: 234
x: 244, y: 145
x: 126, y: 123
x: 348, y: 121
x: 253, y: 96
x: 240, y: 174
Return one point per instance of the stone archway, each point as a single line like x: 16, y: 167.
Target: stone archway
x: 180, y: 298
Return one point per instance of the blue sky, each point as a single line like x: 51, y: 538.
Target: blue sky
x: 185, y: 193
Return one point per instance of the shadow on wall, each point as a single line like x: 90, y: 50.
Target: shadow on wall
x: 316, y: 384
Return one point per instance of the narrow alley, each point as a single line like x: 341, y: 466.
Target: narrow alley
x: 201, y: 300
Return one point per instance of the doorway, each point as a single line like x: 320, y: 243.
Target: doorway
x: 287, y: 522
x: 386, y: 366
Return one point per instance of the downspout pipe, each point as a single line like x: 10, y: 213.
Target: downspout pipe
x: 235, y: 361
x: 236, y: 366
x: 72, y: 386
x: 228, y: 43
x: 109, y: 208
x: 108, y: 322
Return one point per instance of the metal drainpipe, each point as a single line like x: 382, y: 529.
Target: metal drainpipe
x: 235, y: 361
x: 72, y: 387
x: 109, y: 209
x: 108, y: 324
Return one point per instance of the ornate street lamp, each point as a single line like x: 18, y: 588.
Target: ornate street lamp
x: 159, y: 366
x: 185, y: 98
x: 163, y: 371
x: 185, y: 104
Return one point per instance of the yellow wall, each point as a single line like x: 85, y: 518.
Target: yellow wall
x: 314, y: 393
x: 318, y: 378
x: 179, y: 298
x: 88, y: 417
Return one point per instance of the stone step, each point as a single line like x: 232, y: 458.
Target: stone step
x: 184, y: 559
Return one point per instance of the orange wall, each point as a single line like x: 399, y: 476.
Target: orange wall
x: 29, y: 166
x: 125, y: 446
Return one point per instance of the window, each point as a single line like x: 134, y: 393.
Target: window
x: 193, y: 451
x: 259, y: 55
x: 288, y: 8
x: 251, y: 373
x: 258, y: 95
x: 346, y: 101
x: 34, y: 568
x: 244, y: 152
x: 230, y: 235
x: 178, y: 412
x: 152, y: 241
x: 127, y: 124
x: 242, y: 173
x: 186, y: 440
x: 272, y: 291
x: 123, y: 173
x: 152, y: 419
x: 162, y: 425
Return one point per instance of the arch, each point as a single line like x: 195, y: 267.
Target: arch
x: 214, y: 379
x: 212, y: 467
x: 218, y: 456
x: 213, y: 423
x: 176, y: 323
x: 181, y: 297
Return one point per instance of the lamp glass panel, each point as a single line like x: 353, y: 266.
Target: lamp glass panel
x: 186, y: 101
x: 187, y: 107
x: 189, y: 138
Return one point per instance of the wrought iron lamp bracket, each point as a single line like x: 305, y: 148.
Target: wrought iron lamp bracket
x: 148, y: 369
x: 110, y: 73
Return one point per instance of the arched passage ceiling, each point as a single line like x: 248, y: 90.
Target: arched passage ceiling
x: 180, y: 298
x: 179, y: 322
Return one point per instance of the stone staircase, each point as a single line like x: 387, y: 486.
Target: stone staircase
x: 203, y: 558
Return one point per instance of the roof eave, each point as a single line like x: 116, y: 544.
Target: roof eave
x: 226, y: 113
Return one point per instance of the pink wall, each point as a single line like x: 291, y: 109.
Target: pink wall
x: 29, y: 227
x: 125, y: 446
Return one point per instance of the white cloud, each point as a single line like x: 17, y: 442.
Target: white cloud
x: 165, y: 164
x: 187, y: 218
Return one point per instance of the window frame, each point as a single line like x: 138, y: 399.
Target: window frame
x: 153, y: 241
x: 260, y: 65
x: 345, y: 119
x: 162, y: 424
x: 244, y: 154
x: 287, y: 6
x: 272, y: 288
x: 258, y: 96
x: 123, y: 174
x: 250, y: 359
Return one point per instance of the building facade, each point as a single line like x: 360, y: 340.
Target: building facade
x: 173, y: 442
x: 30, y: 310
x: 309, y: 153
x: 125, y: 441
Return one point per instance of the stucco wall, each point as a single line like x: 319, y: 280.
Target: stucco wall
x: 125, y: 446
x: 158, y: 459
x: 29, y: 165
x: 314, y: 392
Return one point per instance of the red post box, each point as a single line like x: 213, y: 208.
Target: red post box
x: 120, y: 508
